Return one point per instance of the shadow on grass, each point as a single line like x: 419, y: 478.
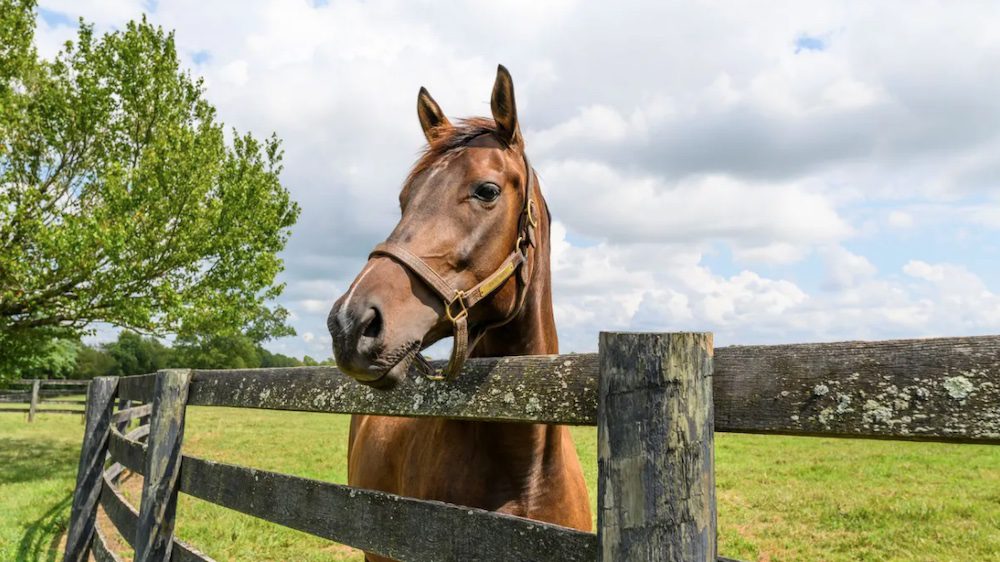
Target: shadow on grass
x: 25, y: 460
x: 41, y: 541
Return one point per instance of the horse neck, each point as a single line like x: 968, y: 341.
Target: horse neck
x: 525, y: 447
x: 533, y: 330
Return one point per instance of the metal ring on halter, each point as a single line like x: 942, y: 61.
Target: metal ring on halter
x: 460, y: 299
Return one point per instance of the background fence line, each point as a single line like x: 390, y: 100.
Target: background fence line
x: 36, y: 396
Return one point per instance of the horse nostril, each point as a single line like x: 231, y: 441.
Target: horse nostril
x: 333, y: 322
x: 372, y: 323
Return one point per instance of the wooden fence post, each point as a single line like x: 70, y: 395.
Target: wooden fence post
x: 155, y: 528
x: 35, y: 388
x: 656, y: 470
x: 100, y: 400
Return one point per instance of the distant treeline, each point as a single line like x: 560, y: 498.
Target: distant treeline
x: 134, y: 354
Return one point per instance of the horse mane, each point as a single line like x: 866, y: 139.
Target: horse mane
x: 452, y: 139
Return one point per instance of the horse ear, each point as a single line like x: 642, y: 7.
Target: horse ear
x: 432, y: 119
x: 504, y: 108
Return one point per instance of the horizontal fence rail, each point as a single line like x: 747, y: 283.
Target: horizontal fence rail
x: 27, y: 410
x: 944, y: 389
x: 379, y: 521
x: 49, y: 382
x: 544, y: 389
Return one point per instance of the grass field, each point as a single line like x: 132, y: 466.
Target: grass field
x: 780, y: 498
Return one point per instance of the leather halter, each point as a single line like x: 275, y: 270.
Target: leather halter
x: 457, y: 302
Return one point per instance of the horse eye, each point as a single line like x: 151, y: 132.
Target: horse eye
x: 487, y: 192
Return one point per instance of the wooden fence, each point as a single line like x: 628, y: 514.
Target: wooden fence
x: 39, y: 399
x: 657, y: 400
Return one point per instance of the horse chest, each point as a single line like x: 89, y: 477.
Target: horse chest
x: 455, y: 462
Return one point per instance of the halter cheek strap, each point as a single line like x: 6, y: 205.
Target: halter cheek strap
x: 457, y: 302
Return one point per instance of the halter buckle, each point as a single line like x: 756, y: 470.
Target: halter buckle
x: 532, y: 220
x: 460, y: 299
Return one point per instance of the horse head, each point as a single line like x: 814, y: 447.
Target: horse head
x: 459, y: 261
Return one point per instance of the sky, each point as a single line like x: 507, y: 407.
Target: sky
x: 772, y: 172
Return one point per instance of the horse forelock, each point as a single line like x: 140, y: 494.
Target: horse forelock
x: 452, y: 141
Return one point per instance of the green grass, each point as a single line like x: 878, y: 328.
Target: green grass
x: 780, y: 498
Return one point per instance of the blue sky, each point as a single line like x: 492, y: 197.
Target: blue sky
x: 832, y: 173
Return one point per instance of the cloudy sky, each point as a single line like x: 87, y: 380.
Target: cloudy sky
x: 772, y: 172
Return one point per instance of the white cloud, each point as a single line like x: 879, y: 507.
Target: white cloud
x: 598, y: 201
x: 845, y: 269
x: 900, y: 219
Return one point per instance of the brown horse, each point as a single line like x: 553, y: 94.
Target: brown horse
x: 466, y: 204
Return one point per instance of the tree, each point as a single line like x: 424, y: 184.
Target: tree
x: 56, y: 359
x: 268, y: 359
x: 137, y: 355
x: 217, y: 351
x: 94, y: 362
x: 121, y: 200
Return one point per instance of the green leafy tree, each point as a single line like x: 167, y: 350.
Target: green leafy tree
x: 268, y: 359
x: 94, y: 362
x: 134, y: 354
x: 121, y: 200
x: 236, y: 351
x: 56, y: 359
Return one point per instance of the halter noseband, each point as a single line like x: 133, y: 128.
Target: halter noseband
x: 457, y: 302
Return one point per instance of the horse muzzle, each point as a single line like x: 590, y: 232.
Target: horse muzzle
x: 361, y: 346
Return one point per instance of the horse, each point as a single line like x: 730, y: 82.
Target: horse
x: 468, y: 258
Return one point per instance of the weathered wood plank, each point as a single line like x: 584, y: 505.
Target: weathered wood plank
x: 656, y: 473
x: 49, y: 382
x: 548, y: 389
x: 76, y: 411
x: 123, y: 405
x: 948, y: 389
x: 131, y: 454
x: 35, y: 387
x: 944, y: 389
x: 122, y: 515
x: 113, y: 471
x: 44, y: 411
x: 374, y: 521
x: 138, y: 388
x: 26, y: 396
x: 125, y: 518
x: 100, y: 549
x: 155, y: 529
x: 123, y: 416
x: 138, y: 432
x: 391, y: 525
x: 100, y: 401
